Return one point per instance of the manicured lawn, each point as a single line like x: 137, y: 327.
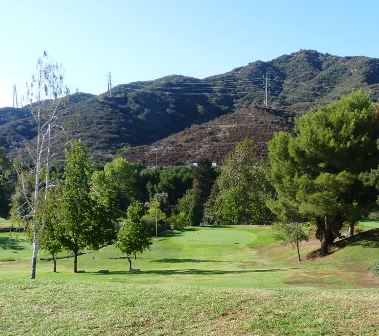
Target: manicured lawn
x: 200, y: 281
x: 107, y: 308
x: 240, y: 256
x: 368, y: 225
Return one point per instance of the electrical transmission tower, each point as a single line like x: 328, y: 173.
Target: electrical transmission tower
x: 15, y: 99
x: 110, y: 84
x: 266, y: 90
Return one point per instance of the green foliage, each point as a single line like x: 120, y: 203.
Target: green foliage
x: 132, y: 237
x: 371, y: 178
x: 203, y: 179
x: 313, y: 172
x: 20, y: 200
x: 178, y: 221
x: 83, y: 222
x: 291, y: 234
x: 115, y: 187
x: 174, y: 181
x: 51, y: 237
x: 154, y: 219
x: 6, y: 187
x: 240, y: 192
x: 155, y: 210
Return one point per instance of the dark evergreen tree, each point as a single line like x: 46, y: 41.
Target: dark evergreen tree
x: 315, y: 170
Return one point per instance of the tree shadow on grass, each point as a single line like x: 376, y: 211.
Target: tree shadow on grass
x: 188, y: 260
x: 219, y: 226
x: 192, y: 271
x: 368, y: 238
x: 177, y: 232
x: 7, y: 243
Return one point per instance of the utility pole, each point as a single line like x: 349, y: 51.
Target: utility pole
x: 266, y: 90
x: 156, y: 156
x: 109, y: 84
x: 15, y: 99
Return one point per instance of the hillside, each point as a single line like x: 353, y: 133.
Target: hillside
x: 142, y: 113
x: 214, y: 139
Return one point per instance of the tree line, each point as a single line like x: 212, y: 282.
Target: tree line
x: 321, y: 175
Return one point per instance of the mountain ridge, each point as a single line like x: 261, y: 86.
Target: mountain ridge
x: 142, y: 113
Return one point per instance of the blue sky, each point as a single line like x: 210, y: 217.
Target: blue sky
x: 147, y: 39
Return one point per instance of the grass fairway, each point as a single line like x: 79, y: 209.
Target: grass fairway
x: 93, y: 308
x: 201, y: 281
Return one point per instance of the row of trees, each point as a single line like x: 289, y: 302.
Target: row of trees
x: 86, y: 208
x: 324, y: 173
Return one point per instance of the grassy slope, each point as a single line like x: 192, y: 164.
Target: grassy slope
x: 176, y: 292
x: 87, y: 308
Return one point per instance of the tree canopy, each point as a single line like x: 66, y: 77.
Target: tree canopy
x: 240, y: 192
x: 315, y: 170
x: 132, y: 237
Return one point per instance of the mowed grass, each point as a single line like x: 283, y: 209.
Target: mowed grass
x: 367, y: 225
x: 108, y: 308
x: 200, y: 281
x: 239, y: 256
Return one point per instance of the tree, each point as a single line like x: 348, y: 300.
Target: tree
x: 132, y: 237
x: 313, y: 171
x: 154, y: 212
x: 114, y: 187
x: 82, y: 222
x: 174, y: 181
x: 6, y: 188
x: 291, y: 234
x: 51, y: 238
x: 371, y: 178
x: 43, y: 102
x: 203, y: 179
x: 240, y: 192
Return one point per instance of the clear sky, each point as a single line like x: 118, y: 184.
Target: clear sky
x: 147, y: 39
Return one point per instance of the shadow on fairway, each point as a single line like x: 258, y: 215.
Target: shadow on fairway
x: 10, y: 244
x: 188, y: 260
x: 193, y: 271
x: 368, y: 238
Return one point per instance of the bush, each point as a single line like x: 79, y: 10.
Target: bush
x: 149, y: 224
x: 178, y: 221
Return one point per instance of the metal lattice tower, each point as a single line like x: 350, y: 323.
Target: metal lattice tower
x: 110, y: 84
x: 15, y: 98
x: 266, y: 90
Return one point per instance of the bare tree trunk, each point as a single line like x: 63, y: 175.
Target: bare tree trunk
x: 54, y: 264
x: 156, y: 222
x: 130, y: 263
x: 43, y: 98
x: 34, y: 255
x: 75, y: 261
x: 47, y: 177
x: 327, y: 237
x: 351, y: 230
x: 35, y: 210
x: 298, y: 249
